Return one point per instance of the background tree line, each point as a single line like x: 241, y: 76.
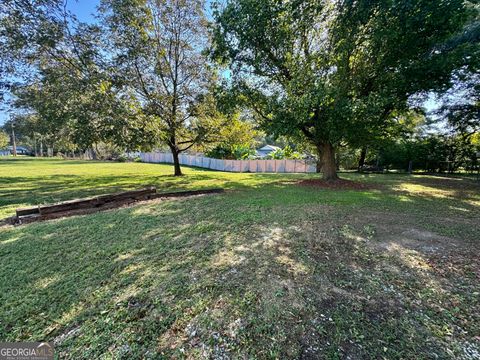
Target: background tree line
x: 337, y: 80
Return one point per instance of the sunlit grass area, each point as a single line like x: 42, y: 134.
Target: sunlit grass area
x: 28, y: 181
x: 269, y: 269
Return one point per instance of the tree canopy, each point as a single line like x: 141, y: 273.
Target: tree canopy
x: 329, y: 77
x: 334, y: 71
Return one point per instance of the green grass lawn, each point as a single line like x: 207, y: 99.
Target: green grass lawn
x: 29, y: 181
x: 269, y: 269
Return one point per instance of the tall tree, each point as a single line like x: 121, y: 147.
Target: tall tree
x: 461, y: 103
x: 158, y: 53
x: 331, y: 71
x: 462, y: 113
x: 70, y: 89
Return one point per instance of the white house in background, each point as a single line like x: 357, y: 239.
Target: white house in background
x: 267, y: 149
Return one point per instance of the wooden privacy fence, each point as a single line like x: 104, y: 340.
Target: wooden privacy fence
x: 253, y: 166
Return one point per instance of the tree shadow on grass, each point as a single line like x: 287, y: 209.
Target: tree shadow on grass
x: 425, y: 185
x: 276, y: 271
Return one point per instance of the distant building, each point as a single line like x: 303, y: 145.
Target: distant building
x: 20, y: 150
x: 267, y: 149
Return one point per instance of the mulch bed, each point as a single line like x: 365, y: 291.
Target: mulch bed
x: 340, y: 184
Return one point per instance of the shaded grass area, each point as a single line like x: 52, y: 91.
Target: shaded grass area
x: 267, y: 270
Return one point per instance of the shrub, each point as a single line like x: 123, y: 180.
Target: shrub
x: 286, y: 153
x: 4, y: 140
x: 243, y: 152
x: 234, y: 152
x: 121, y: 158
x: 219, y: 152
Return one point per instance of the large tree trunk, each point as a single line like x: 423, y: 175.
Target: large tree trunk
x: 176, y: 161
x: 337, y: 159
x: 363, y: 155
x: 327, y: 165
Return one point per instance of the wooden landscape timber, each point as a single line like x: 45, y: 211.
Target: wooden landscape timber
x: 93, y: 202
x: 97, y: 203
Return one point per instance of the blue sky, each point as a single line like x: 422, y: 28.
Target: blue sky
x: 83, y: 8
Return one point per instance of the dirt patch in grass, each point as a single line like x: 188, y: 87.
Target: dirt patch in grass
x: 340, y: 184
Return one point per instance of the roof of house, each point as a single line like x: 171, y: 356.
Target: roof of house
x: 268, y: 148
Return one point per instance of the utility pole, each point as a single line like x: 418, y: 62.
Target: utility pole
x: 14, y: 142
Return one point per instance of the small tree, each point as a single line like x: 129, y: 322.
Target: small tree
x: 4, y: 140
x: 158, y: 47
x: 236, y: 139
